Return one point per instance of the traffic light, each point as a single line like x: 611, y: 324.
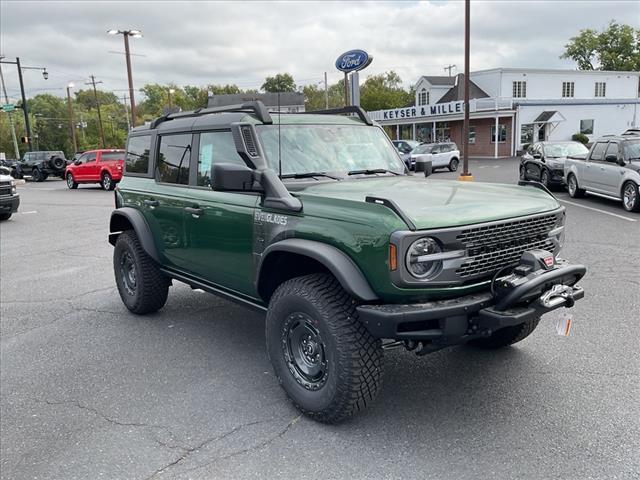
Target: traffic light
x: 24, y: 139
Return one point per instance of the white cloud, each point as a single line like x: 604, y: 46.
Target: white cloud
x: 242, y: 42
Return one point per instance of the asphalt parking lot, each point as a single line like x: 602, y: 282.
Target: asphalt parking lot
x: 90, y: 391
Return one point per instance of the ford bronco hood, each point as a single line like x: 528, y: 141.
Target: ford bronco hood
x: 431, y: 203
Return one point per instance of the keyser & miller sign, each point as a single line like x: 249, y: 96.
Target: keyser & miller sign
x: 450, y: 108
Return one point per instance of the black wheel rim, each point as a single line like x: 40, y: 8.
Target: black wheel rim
x: 304, y: 351
x: 128, y: 273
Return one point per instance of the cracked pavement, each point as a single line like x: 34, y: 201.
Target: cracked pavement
x: 89, y: 391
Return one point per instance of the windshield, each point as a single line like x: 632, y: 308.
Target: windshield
x: 632, y: 150
x: 565, y: 149
x: 328, y: 148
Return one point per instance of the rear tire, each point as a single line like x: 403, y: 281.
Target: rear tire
x: 142, y: 287
x: 544, y: 178
x: 71, y: 183
x: 506, y: 336
x: 572, y: 185
x: 324, y: 358
x: 453, y: 164
x: 5, y: 216
x: 630, y: 197
x: 107, y: 182
x: 37, y: 176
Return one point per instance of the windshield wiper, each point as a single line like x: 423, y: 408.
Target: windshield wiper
x: 310, y: 175
x: 371, y: 171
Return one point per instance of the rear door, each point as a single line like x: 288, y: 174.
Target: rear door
x: 593, y: 168
x: 219, y: 224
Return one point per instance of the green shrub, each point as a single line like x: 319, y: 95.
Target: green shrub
x: 580, y: 137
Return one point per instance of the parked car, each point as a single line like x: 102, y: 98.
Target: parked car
x: 39, y: 165
x: 404, y: 148
x: 340, y: 249
x: 444, y: 154
x: 9, y: 198
x: 611, y: 168
x: 544, y: 161
x: 96, y: 166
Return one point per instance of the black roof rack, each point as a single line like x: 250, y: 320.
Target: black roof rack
x: 255, y: 107
x: 349, y: 109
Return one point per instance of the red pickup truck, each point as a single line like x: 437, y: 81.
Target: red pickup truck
x: 96, y: 166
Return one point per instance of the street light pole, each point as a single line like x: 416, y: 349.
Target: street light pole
x: 16, y: 150
x: 171, y: 90
x: 72, y: 123
x: 126, y: 34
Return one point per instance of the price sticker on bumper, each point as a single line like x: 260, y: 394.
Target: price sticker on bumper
x: 563, y: 325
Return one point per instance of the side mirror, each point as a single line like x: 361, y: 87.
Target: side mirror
x: 621, y: 162
x: 611, y: 158
x: 537, y: 156
x: 424, y: 166
x: 229, y: 177
x: 77, y: 162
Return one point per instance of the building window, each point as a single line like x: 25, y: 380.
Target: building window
x: 423, y: 97
x: 601, y: 89
x: 526, y: 133
x: 472, y: 134
x: 428, y: 99
x: 502, y: 133
x: 586, y: 127
x: 520, y: 89
x: 567, y: 89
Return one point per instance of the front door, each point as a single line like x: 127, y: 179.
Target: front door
x: 611, y: 171
x: 594, y: 168
x: 83, y: 171
x: 220, y: 224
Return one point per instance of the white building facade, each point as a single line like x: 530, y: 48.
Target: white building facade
x: 522, y: 105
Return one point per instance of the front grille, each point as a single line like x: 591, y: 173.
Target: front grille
x: 5, y: 190
x: 495, y: 246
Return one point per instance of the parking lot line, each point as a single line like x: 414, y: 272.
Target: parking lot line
x: 598, y: 210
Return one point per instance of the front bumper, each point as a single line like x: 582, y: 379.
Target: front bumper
x: 9, y: 203
x: 454, y: 320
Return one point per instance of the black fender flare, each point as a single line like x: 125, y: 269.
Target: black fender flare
x: 128, y: 215
x: 336, y: 261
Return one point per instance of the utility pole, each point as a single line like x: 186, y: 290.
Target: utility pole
x: 465, y: 125
x: 95, y: 95
x: 130, y: 78
x: 12, y: 125
x: 126, y: 112
x: 72, y: 123
x: 449, y: 67
x: 326, y: 92
x: 84, y: 139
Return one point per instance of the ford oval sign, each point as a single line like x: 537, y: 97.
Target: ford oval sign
x: 353, y: 60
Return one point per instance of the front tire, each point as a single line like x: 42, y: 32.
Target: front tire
x: 453, y: 165
x: 142, y: 287
x: 523, y: 173
x: 37, y: 175
x: 506, y: 336
x: 544, y: 178
x: 324, y: 358
x: 630, y: 197
x: 572, y: 186
x: 71, y: 183
x: 5, y: 216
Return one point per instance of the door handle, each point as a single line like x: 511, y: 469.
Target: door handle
x: 151, y: 203
x: 195, y: 211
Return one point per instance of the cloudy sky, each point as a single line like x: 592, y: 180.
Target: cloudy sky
x: 242, y: 42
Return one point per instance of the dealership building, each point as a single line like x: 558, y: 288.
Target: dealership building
x: 510, y: 107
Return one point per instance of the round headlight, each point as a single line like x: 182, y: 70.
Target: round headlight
x: 417, y: 265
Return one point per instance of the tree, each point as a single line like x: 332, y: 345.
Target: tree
x: 616, y: 48
x: 88, y: 101
x: 282, y: 82
x: 384, y: 91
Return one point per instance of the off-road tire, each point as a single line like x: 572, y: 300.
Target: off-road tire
x: 5, y: 216
x: 57, y: 163
x: 544, y: 178
x: 453, y: 164
x: 634, y: 203
x: 506, y: 336
x: 151, y: 286
x: 37, y: 175
x: 523, y: 172
x: 574, y: 190
x: 71, y: 183
x: 353, y: 357
x: 106, y: 181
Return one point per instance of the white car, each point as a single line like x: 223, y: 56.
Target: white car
x: 445, y: 154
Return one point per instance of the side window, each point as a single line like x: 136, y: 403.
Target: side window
x: 83, y: 158
x: 598, y: 151
x: 612, y: 149
x: 137, y: 156
x: 173, y: 159
x: 91, y: 157
x: 41, y: 156
x: 215, y: 147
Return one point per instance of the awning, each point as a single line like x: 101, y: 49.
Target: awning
x: 549, y: 116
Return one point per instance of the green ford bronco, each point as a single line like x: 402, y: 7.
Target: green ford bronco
x: 314, y: 219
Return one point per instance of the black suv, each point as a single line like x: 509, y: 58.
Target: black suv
x: 41, y: 164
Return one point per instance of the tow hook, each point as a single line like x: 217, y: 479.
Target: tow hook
x: 556, y: 296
